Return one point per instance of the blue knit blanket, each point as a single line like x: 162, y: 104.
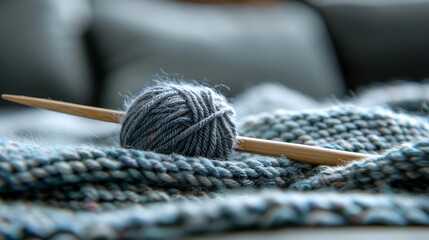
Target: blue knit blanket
x: 107, y: 192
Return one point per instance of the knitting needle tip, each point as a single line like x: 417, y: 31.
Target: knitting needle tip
x: 102, y: 114
x: 6, y: 97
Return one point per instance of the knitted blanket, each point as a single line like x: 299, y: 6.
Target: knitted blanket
x: 99, y: 192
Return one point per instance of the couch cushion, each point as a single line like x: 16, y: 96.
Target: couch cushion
x: 42, y: 51
x: 237, y: 45
x: 379, y: 40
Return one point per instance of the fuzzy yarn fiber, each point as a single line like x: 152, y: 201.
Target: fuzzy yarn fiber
x: 192, y: 120
x: 112, y: 192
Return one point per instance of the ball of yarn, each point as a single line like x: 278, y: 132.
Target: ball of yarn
x: 187, y: 119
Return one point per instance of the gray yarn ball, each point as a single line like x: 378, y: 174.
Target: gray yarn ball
x: 187, y: 119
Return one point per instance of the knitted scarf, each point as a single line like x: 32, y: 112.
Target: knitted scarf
x: 93, y: 192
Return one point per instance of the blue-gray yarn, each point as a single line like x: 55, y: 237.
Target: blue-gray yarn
x: 91, y: 192
x: 180, y: 118
x: 117, y: 193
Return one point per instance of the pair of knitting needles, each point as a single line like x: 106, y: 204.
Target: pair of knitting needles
x: 297, y: 152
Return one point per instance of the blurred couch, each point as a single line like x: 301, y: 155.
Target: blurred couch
x: 97, y: 51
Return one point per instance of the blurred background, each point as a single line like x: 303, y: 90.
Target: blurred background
x: 96, y: 52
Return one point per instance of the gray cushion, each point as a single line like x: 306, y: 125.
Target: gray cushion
x: 379, y: 40
x: 237, y: 45
x: 42, y: 51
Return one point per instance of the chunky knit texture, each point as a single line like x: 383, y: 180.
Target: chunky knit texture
x: 192, y: 120
x: 109, y: 193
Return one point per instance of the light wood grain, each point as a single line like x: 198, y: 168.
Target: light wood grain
x: 298, y: 152
x: 102, y: 114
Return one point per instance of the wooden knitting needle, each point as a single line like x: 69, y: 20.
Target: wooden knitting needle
x: 298, y: 152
